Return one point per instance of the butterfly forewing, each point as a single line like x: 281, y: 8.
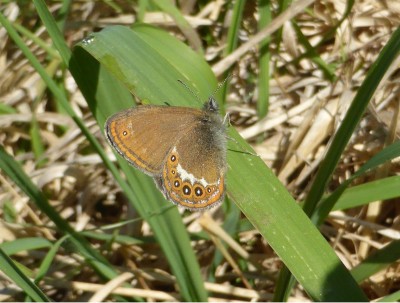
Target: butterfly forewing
x: 143, y: 135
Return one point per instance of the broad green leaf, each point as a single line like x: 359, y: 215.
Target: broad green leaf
x: 143, y: 60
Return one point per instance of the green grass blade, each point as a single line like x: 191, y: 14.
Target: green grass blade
x: 8, y: 267
x: 62, y: 14
x: 394, y: 297
x: 36, y: 40
x: 18, y: 245
x: 390, y: 152
x: 264, y: 61
x: 232, y: 40
x: 48, y: 260
x: 181, y: 22
x: 53, y: 29
x: 377, y: 261
x: 284, y: 285
x: 282, y: 6
x: 327, y: 69
x: 382, y: 189
x: 353, y: 116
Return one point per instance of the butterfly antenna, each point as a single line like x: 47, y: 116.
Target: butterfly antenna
x: 188, y: 88
x: 221, y: 84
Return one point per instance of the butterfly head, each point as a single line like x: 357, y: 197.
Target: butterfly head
x: 211, y: 105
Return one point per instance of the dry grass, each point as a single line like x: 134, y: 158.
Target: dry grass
x: 305, y: 110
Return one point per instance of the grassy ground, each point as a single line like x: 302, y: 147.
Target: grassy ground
x: 305, y: 92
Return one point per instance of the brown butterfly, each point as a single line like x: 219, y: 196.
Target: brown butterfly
x: 183, y: 149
